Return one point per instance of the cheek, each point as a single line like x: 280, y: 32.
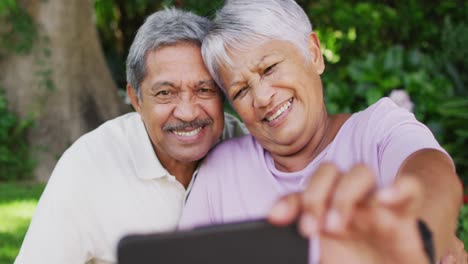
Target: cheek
x: 157, y: 115
x: 213, y: 108
x: 291, y: 79
x: 246, y: 112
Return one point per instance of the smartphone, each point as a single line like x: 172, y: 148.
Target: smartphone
x: 255, y: 241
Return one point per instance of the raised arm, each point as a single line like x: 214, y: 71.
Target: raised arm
x: 442, y: 194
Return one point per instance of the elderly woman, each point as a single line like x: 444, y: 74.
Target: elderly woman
x: 266, y: 58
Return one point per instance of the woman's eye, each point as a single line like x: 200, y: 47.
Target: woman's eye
x: 269, y: 69
x: 242, y: 91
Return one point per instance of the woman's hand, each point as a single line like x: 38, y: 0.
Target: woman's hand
x: 356, y: 223
x: 457, y: 253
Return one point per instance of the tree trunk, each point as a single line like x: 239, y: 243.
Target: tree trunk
x: 64, y: 81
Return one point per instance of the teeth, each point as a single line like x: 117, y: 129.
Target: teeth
x: 189, y: 133
x: 279, y: 111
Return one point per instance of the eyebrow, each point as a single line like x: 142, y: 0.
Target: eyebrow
x: 205, y: 82
x: 166, y: 83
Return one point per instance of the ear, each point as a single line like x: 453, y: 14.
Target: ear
x: 133, y: 98
x: 316, y: 53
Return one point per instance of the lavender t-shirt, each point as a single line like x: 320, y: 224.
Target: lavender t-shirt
x: 238, y: 179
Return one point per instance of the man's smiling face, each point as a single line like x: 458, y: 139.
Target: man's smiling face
x: 180, y: 104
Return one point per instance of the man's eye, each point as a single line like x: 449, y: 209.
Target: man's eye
x: 165, y: 94
x: 242, y: 91
x: 206, y: 92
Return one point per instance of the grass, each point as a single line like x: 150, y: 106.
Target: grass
x: 17, y: 203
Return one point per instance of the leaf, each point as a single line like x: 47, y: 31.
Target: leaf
x: 373, y: 95
x: 393, y: 58
x: 391, y: 83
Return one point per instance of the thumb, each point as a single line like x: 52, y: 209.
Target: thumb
x: 449, y: 259
x: 286, y: 210
x: 405, y: 195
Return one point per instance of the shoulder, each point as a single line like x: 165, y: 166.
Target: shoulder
x: 103, y: 145
x: 108, y: 134
x: 381, y: 109
x: 232, y: 148
x: 386, y: 110
x: 228, y: 156
x: 384, y: 116
x: 115, y: 129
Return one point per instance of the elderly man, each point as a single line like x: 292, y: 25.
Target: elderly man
x: 131, y: 174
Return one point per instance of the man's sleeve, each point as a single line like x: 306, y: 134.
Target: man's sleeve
x: 56, y: 234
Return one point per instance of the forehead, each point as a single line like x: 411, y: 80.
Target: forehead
x: 254, y: 58
x: 176, y: 63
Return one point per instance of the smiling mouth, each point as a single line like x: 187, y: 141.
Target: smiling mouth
x: 188, y: 133
x: 280, y: 111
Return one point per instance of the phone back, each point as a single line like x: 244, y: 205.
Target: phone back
x: 244, y: 242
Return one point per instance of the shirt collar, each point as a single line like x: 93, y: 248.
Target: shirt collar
x: 147, y: 164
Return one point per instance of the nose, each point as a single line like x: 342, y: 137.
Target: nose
x: 263, y: 93
x: 187, y: 109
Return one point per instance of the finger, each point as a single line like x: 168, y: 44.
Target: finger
x: 449, y: 259
x: 376, y: 222
x: 459, y: 245
x: 395, y: 237
x: 308, y: 225
x: 316, y: 196
x: 285, y: 210
x: 405, y: 195
x: 461, y: 257
x: 352, y: 188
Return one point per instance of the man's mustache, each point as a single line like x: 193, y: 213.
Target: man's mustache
x: 184, y: 125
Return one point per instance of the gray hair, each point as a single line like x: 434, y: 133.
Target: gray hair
x: 163, y: 28
x: 242, y: 24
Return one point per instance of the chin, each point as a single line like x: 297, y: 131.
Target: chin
x: 289, y: 136
x: 192, y: 156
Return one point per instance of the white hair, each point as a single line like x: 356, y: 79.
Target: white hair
x: 167, y: 27
x: 243, y: 24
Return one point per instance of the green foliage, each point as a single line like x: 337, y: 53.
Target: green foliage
x: 356, y: 27
x: 462, y: 229
x: 201, y: 7
x: 349, y: 29
x: 17, y: 29
x: 454, y: 132
x: 454, y: 54
x: 16, y: 162
x: 367, y: 79
x: 17, y: 203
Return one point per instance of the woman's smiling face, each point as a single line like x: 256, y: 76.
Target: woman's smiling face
x: 277, y: 91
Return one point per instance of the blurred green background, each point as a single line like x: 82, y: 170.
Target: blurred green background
x: 371, y: 49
